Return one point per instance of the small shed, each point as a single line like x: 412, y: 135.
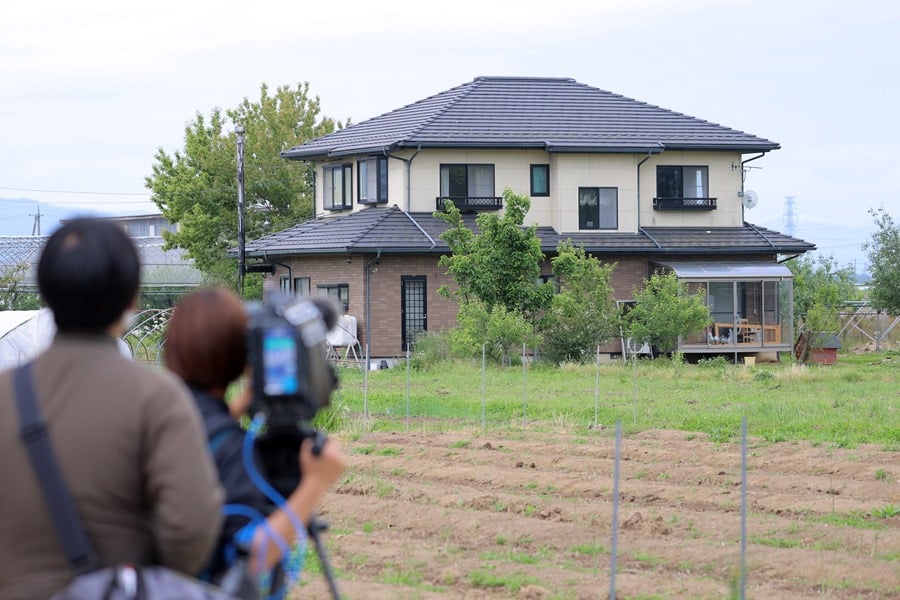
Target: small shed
x: 823, y: 349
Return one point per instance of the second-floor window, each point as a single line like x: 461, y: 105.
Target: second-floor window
x: 337, y: 187
x: 467, y: 181
x: 373, y: 180
x: 598, y: 208
x: 540, y: 180
x: 682, y: 182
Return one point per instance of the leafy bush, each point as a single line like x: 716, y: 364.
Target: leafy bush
x: 429, y: 349
x: 763, y: 375
x: 714, y: 362
x: 664, y: 310
x: 499, y: 329
x: 582, y: 315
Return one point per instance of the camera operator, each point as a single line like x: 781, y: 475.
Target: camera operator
x: 206, y: 346
x: 129, y: 443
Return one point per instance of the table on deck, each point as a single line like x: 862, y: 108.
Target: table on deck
x: 747, y: 333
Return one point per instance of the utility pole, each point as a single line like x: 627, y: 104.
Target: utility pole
x: 239, y: 131
x: 36, y: 227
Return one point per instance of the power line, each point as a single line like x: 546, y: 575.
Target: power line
x: 15, y: 189
x: 97, y: 202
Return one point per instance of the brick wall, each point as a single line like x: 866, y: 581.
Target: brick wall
x: 385, y: 280
x: 384, y: 300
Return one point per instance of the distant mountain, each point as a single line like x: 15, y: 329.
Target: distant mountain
x: 18, y: 216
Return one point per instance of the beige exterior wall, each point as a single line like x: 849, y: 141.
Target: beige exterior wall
x: 724, y: 185
x: 511, y: 170
x: 568, y: 172
x: 596, y: 170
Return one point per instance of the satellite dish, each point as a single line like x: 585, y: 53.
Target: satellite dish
x: 750, y: 199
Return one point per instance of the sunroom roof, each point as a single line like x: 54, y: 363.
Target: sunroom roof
x: 728, y: 270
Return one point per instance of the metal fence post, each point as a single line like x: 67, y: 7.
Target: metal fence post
x: 524, y: 390
x: 407, y: 386
x: 634, y: 383
x: 743, y: 582
x: 597, y: 389
x: 482, y: 386
x: 615, y: 514
x: 366, y: 391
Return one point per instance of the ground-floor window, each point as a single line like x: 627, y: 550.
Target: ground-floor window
x: 340, y: 292
x: 413, y: 308
x: 301, y: 286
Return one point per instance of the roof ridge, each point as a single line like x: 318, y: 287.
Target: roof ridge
x: 472, y: 85
x: 521, y: 78
x: 375, y: 223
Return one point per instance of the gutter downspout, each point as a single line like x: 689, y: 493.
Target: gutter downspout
x: 408, y: 162
x: 743, y: 177
x: 369, y: 264
x: 290, y: 275
x: 649, y: 154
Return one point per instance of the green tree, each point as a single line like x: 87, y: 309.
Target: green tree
x: 196, y: 187
x: 665, y: 310
x: 501, y: 264
x: 583, y: 313
x: 502, y: 331
x: 884, y: 263
x: 12, y: 296
x: 820, y: 290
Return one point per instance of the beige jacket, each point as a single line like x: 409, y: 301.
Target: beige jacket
x: 132, y: 450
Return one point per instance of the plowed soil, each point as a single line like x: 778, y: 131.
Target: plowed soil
x: 529, y: 515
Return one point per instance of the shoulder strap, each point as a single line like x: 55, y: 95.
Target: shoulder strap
x: 219, y: 430
x: 63, y: 513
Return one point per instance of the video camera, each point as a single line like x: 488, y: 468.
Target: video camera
x: 292, y: 378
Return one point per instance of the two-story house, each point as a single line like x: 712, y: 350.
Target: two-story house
x: 636, y: 184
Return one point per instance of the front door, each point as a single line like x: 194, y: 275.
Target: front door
x: 413, y: 313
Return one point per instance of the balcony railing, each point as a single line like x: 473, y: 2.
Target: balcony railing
x: 469, y: 203
x: 684, y: 204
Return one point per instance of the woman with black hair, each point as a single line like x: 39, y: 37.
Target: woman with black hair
x: 206, y: 347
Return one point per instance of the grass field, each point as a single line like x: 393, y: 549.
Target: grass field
x: 440, y: 503
x: 845, y: 404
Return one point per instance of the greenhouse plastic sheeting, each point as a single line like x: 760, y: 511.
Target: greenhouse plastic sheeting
x: 23, y: 334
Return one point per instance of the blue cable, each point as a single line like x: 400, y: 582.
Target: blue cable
x: 257, y: 519
x: 291, y: 568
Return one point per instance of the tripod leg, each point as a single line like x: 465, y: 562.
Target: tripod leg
x: 316, y: 526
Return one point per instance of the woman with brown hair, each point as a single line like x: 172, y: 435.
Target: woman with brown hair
x: 206, y: 347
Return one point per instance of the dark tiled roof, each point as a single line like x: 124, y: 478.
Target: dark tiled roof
x: 556, y: 114
x: 393, y: 231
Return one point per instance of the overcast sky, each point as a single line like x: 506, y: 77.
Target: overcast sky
x: 90, y: 89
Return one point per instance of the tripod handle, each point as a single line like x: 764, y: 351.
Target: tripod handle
x: 319, y: 439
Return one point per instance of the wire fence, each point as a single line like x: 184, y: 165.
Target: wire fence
x: 492, y: 398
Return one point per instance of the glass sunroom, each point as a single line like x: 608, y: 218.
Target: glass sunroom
x: 750, y: 304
